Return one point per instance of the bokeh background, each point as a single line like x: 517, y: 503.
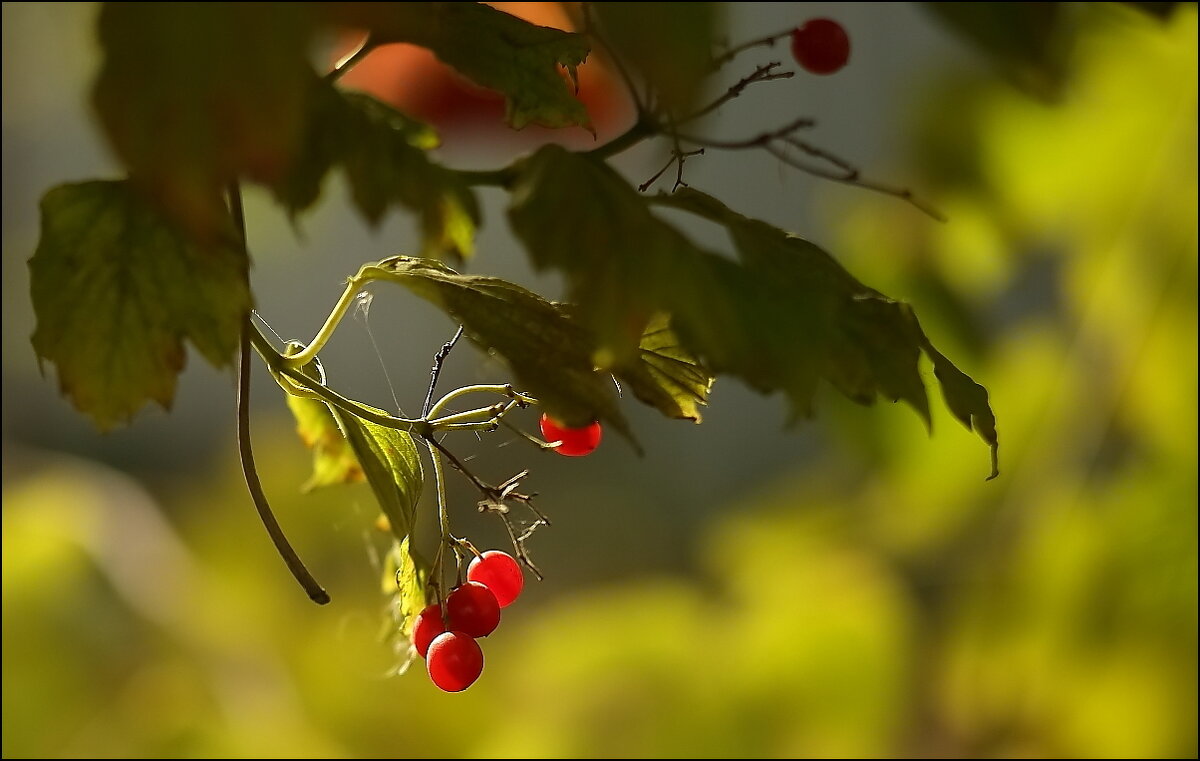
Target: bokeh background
x: 851, y: 587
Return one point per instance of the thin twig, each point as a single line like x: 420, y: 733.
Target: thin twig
x: 352, y: 59
x: 729, y: 55
x: 764, y: 73
x: 590, y: 29
x: 851, y: 176
x: 674, y: 158
x: 438, y: 359
x: 758, y: 141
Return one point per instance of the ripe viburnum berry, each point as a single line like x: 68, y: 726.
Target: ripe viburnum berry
x: 821, y: 46
x: 472, y: 609
x: 427, y: 627
x: 574, y: 442
x: 498, y: 572
x: 455, y: 661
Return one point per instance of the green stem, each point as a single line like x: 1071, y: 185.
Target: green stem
x: 505, y: 389
x: 306, y: 355
x: 258, y: 496
x: 447, y: 539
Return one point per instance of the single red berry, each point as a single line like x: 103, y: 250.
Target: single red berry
x: 472, y: 609
x: 498, y: 572
x: 575, y: 442
x: 428, y: 626
x: 455, y: 661
x: 821, y: 46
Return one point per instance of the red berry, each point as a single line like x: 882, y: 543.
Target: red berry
x: 455, y: 661
x: 574, y: 442
x: 821, y: 46
x: 472, y: 609
x: 498, y: 572
x: 428, y: 626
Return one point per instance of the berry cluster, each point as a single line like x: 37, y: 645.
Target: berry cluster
x: 445, y: 634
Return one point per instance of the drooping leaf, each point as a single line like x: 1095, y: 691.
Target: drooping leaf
x: 192, y: 95
x: 392, y: 465
x: 576, y: 214
x: 967, y: 400
x: 1029, y: 42
x: 667, y: 376
x: 550, y: 355
x: 333, y: 460
x: 384, y: 155
x: 117, y: 289
x: 498, y: 51
x: 669, y: 44
x: 783, y: 317
x: 877, y: 342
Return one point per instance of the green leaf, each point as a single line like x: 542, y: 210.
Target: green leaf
x: 192, y: 95
x: 876, y: 342
x: 384, y: 155
x: 406, y: 578
x: 967, y: 400
x: 117, y: 289
x: 392, y: 465
x: 667, y: 376
x: 1028, y: 41
x: 498, y: 51
x: 669, y: 44
x: 333, y: 460
x: 550, y: 354
x: 576, y: 214
x: 782, y: 317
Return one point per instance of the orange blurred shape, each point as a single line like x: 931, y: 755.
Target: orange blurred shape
x: 413, y: 80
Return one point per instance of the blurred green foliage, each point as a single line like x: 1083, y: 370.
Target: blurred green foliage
x: 885, y: 601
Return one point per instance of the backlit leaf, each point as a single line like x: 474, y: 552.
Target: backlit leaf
x: 392, y: 465
x: 669, y: 44
x: 383, y: 153
x: 117, y: 289
x: 524, y: 62
x: 192, y: 95
x: 333, y: 460
x: 550, y: 355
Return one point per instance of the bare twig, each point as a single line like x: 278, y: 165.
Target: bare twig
x: 676, y: 157
x: 764, y: 73
x: 729, y: 55
x: 758, y: 141
x: 849, y: 175
x: 438, y: 359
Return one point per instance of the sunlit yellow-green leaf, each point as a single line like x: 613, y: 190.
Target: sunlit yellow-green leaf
x: 117, y: 289
x: 392, y: 465
x: 333, y: 459
x: 550, y: 355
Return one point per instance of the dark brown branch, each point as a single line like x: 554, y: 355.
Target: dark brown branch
x: 438, y: 359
